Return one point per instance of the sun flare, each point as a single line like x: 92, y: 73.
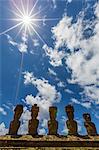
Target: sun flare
x: 26, y: 18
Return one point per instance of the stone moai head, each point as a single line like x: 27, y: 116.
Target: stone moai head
x: 52, y: 112
x: 87, y: 117
x: 18, y: 112
x: 70, y: 112
x: 34, y: 111
x: 90, y: 126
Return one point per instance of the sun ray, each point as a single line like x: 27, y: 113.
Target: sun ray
x: 10, y: 28
x: 33, y: 8
x: 15, y: 13
x: 34, y: 24
x: 27, y: 7
x: 17, y: 7
x: 45, y: 19
x: 41, y: 10
x: 38, y: 34
x: 19, y: 31
x: 23, y: 7
x: 19, y: 77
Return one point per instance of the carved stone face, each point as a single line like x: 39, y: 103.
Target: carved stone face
x: 34, y: 111
x: 70, y: 115
x: 18, y: 111
x: 53, y: 113
x: 87, y: 117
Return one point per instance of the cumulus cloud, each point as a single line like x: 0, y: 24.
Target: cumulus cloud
x: 54, y: 55
x: 68, y: 34
x: 83, y: 58
x: 47, y: 93
x: 3, y: 129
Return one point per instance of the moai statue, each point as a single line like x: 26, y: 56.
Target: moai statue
x: 90, y: 126
x: 71, y: 123
x: 34, y: 122
x: 52, y: 123
x: 15, y: 124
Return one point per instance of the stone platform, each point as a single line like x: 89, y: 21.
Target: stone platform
x: 49, y: 142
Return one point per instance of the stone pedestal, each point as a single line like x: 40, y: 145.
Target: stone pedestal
x: 34, y: 122
x: 52, y: 123
x: 90, y: 126
x: 15, y: 124
x: 71, y: 123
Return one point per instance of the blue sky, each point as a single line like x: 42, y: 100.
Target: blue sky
x: 55, y: 64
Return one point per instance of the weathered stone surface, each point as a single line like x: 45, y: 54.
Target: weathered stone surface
x: 52, y: 123
x: 15, y: 124
x: 71, y: 123
x: 51, y: 141
x: 34, y: 122
x: 90, y: 126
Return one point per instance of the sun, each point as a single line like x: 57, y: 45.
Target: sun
x: 27, y: 21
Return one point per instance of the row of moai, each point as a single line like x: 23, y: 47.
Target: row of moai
x: 52, y: 123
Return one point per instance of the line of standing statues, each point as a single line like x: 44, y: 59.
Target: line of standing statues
x: 52, y: 123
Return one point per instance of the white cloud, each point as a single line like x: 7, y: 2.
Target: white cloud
x: 42, y: 131
x: 10, y: 40
x: 47, y: 94
x: 68, y: 34
x: 2, y: 111
x: 22, y: 46
x: 69, y: 1
x: 52, y: 72
x: 54, y: 55
x: 61, y: 84
x: 84, y: 104
x: 36, y: 43
x: 3, y: 129
x: 83, y: 63
x: 26, y: 116
x: 54, y: 3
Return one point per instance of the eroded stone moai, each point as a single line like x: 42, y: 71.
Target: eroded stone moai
x: 90, y: 126
x: 34, y: 122
x: 71, y: 123
x: 15, y: 124
x: 52, y: 123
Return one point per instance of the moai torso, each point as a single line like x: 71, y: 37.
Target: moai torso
x: 90, y: 126
x: 15, y: 124
x: 52, y: 123
x: 34, y: 122
x: 71, y: 123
